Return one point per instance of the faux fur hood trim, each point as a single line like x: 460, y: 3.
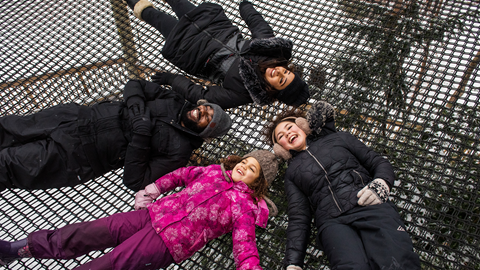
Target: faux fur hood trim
x: 319, y: 114
x: 270, y: 47
x: 252, y: 83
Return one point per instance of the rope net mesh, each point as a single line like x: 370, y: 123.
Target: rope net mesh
x: 403, y: 76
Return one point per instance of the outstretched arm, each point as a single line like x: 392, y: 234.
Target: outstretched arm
x: 255, y: 21
x: 299, y: 221
x: 145, y: 90
x: 245, y: 249
x: 225, y: 98
x: 180, y: 177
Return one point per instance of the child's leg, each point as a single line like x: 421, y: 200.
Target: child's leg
x: 78, y: 239
x: 343, y: 247
x: 143, y: 250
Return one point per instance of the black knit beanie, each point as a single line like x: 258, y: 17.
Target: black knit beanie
x: 296, y: 93
x: 220, y: 123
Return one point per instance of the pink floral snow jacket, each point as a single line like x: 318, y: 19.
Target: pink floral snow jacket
x: 207, y: 208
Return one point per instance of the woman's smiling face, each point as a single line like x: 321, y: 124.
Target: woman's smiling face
x: 247, y: 171
x: 279, y: 77
x: 290, y: 136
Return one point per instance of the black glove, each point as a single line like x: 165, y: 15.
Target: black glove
x: 163, y: 78
x: 136, y: 101
x: 141, y: 123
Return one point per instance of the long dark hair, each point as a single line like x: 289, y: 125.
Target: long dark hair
x: 259, y: 186
x: 262, y: 66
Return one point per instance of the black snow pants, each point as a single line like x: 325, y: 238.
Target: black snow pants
x: 368, y: 237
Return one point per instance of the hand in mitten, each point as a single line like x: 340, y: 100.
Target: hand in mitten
x: 141, y: 200
x: 136, y: 101
x: 293, y: 267
x: 141, y: 123
x: 375, y: 192
x: 146, y: 196
x: 152, y: 190
x: 163, y: 78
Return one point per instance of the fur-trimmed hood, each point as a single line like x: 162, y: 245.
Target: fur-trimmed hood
x: 270, y: 47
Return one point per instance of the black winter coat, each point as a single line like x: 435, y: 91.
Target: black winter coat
x: 205, y: 30
x: 69, y: 144
x: 323, y: 180
x: 171, y: 145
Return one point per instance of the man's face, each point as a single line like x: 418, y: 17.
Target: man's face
x: 197, y: 118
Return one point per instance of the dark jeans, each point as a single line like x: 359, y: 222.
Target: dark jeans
x: 370, y: 237
x: 164, y: 22
x: 137, y: 245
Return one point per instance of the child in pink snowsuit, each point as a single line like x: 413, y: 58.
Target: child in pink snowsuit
x: 217, y: 199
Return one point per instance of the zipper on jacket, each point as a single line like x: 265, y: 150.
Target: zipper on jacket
x: 326, y: 176
x: 361, y: 178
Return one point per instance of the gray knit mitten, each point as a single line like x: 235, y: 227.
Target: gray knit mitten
x: 375, y: 192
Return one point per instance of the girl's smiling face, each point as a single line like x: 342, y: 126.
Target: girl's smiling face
x: 247, y: 171
x: 279, y: 77
x: 290, y: 136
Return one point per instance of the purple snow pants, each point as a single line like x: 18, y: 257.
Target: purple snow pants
x: 137, y: 245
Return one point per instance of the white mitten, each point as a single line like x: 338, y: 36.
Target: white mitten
x: 152, y: 190
x: 146, y: 196
x: 375, y: 192
x: 293, y: 267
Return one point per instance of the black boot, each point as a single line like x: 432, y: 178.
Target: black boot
x: 12, y: 251
x: 131, y: 3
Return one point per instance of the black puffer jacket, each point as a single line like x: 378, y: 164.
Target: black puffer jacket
x: 171, y: 145
x: 203, y: 32
x: 323, y: 180
x: 70, y: 144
